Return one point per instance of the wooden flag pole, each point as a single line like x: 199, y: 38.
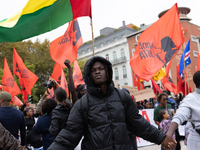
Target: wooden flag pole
x: 92, y: 36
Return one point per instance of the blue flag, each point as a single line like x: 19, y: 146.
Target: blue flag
x: 187, y: 58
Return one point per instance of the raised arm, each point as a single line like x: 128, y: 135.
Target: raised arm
x: 71, y: 82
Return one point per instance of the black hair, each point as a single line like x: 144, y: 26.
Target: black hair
x: 48, y: 105
x: 79, y: 88
x: 161, y: 113
x: 160, y: 96
x: 196, y: 78
x: 61, y: 96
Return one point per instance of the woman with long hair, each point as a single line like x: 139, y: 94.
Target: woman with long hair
x: 60, y: 113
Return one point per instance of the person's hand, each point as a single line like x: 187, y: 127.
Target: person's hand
x: 168, y: 143
x: 24, y: 147
x: 67, y: 63
x: 172, y: 110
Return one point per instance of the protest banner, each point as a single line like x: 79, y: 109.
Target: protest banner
x: 143, y: 94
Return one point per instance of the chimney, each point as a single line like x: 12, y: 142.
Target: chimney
x: 123, y: 23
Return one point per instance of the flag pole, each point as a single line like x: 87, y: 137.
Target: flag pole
x: 92, y: 36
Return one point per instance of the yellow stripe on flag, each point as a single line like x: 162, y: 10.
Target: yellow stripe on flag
x: 160, y: 74
x: 30, y: 7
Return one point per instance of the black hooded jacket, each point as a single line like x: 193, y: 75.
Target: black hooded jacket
x: 107, y: 119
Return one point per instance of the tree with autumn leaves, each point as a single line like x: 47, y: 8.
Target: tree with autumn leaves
x: 36, y: 57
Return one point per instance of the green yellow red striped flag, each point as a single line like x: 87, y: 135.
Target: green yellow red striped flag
x: 40, y: 16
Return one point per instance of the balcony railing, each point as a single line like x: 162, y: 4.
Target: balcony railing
x: 118, y: 60
x: 124, y: 75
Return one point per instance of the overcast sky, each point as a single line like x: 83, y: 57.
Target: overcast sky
x: 110, y: 13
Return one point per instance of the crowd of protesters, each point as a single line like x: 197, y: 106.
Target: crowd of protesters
x: 100, y: 116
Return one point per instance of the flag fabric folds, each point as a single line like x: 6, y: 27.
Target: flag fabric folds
x: 157, y: 45
x: 186, y: 58
x: 8, y: 81
x: 167, y: 81
x: 198, y: 63
x: 66, y: 46
x: 156, y: 88
x: 27, y: 79
x: 77, y: 75
x: 59, y: 76
x: 41, y: 16
x: 16, y: 101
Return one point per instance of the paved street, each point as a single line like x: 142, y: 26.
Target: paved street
x: 157, y: 147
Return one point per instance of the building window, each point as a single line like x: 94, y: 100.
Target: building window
x: 116, y: 74
x: 115, y: 39
x: 89, y: 49
x: 101, y: 44
x: 114, y: 55
x: 125, y: 83
x: 195, y: 53
x: 95, y: 47
x: 108, y: 42
x: 107, y: 56
x: 83, y: 52
x: 124, y: 72
x: 123, y: 35
x: 122, y: 53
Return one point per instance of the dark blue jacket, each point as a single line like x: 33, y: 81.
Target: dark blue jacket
x: 42, y: 127
x: 13, y: 120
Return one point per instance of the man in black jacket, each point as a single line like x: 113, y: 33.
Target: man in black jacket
x: 108, y: 115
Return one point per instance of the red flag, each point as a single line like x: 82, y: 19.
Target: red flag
x: 167, y: 81
x: 77, y: 75
x: 27, y: 79
x: 157, y: 45
x: 181, y: 83
x: 8, y: 81
x: 156, y: 88
x: 135, y: 79
x: 59, y: 76
x: 66, y: 46
x: 198, y: 63
x: 16, y: 101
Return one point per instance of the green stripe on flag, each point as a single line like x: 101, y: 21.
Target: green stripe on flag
x: 41, y: 21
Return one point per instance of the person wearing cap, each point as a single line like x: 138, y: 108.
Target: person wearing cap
x: 11, y: 118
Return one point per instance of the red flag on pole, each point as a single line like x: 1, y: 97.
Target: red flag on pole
x: 77, y: 75
x: 167, y: 81
x: 59, y: 76
x: 181, y: 83
x: 157, y: 45
x: 27, y: 79
x: 156, y: 88
x: 66, y: 46
x: 8, y: 81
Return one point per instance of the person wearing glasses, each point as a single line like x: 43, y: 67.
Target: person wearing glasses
x: 162, y: 99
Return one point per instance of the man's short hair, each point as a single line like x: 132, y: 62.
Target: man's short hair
x: 5, y: 96
x: 196, y: 78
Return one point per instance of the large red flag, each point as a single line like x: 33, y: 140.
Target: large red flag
x: 157, y: 45
x: 77, y: 75
x: 198, y: 63
x: 8, y: 81
x: 156, y: 88
x: 66, y: 46
x: 59, y: 76
x: 135, y: 79
x: 26, y: 77
x: 167, y: 81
